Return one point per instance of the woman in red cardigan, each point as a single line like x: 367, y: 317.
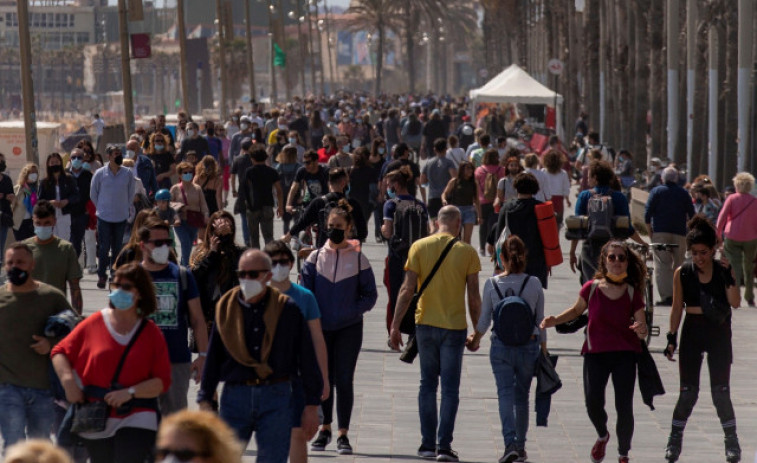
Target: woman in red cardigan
x: 86, y: 361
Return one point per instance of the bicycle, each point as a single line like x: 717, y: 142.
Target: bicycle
x: 646, y: 253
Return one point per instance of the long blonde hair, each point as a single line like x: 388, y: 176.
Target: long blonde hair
x: 25, y: 171
x: 202, y: 172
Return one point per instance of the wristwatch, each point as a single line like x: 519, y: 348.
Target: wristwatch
x: 132, y: 391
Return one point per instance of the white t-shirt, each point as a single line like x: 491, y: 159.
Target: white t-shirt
x: 544, y: 193
x: 558, y: 184
x: 99, y: 125
x: 456, y: 155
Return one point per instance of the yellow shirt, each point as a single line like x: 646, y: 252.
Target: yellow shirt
x: 273, y: 136
x: 442, y: 303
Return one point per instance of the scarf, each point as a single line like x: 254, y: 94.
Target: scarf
x: 230, y: 326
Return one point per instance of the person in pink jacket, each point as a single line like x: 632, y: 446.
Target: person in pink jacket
x: 737, y: 227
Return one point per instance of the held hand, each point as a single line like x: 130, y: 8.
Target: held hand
x: 280, y: 212
x: 117, y: 398
x: 309, y: 422
x: 41, y: 345
x: 395, y: 337
x: 197, y: 367
x: 573, y: 263
x: 74, y: 394
x: 472, y: 343
x: 640, y: 328
x: 548, y: 322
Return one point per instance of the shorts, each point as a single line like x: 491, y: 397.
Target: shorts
x: 226, y: 177
x: 434, y: 204
x: 468, y: 214
x: 297, y: 404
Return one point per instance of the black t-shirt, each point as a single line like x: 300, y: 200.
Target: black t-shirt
x: 162, y: 162
x: 396, y: 164
x: 199, y: 145
x: 6, y: 188
x: 257, y: 188
x: 240, y: 166
x: 360, y: 183
x: 300, y: 125
x: 316, y: 184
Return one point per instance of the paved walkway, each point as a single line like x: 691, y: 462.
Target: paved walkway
x: 385, y: 423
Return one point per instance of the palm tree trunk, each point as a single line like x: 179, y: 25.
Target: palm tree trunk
x: 641, y: 82
x: 657, y: 82
x: 591, y: 62
x: 379, y: 60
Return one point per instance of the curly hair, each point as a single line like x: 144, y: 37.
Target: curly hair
x: 637, y: 268
x: 206, y: 169
x: 203, y: 247
x: 516, y: 160
x: 151, y: 146
x: 553, y: 161
x: 211, y: 434
x: 36, y: 451
x: 701, y: 231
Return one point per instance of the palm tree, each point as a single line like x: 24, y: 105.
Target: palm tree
x: 374, y: 16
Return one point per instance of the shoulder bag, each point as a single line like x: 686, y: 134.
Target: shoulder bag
x: 194, y: 219
x: 93, y: 416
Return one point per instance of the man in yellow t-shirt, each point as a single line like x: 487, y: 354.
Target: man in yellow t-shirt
x: 441, y: 327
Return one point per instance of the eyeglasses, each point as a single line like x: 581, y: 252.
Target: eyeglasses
x: 280, y: 262
x: 124, y: 286
x: 618, y: 257
x: 160, y: 242
x: 181, y: 454
x: 251, y: 274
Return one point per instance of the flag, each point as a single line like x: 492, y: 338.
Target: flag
x: 279, y: 57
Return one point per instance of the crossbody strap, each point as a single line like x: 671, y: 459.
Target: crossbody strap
x: 436, y: 266
x: 181, y: 187
x: 743, y: 210
x: 126, y: 352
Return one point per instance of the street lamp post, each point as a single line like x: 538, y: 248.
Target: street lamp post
x: 27, y: 85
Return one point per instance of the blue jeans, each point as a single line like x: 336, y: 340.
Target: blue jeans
x: 245, y: 228
x: 513, y: 368
x: 441, y: 355
x: 25, y: 413
x: 110, y: 239
x: 264, y: 410
x: 187, y: 236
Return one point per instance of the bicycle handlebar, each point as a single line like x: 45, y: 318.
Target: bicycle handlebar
x: 656, y: 246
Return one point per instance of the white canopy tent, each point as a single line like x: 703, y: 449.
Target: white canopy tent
x: 514, y: 85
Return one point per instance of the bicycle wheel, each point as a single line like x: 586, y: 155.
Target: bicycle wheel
x: 649, y: 309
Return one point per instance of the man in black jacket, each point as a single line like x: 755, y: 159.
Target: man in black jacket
x: 79, y: 215
x: 318, y: 209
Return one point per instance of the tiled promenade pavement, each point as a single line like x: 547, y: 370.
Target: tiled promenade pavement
x: 385, y: 418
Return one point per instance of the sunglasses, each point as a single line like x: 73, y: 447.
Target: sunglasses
x: 251, y: 274
x: 618, y: 257
x: 124, y: 286
x: 77, y: 157
x: 181, y: 454
x: 161, y: 242
x: 280, y: 261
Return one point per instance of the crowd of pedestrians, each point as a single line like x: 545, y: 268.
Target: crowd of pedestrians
x: 188, y: 302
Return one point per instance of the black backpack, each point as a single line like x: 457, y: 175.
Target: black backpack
x: 331, y: 200
x: 414, y: 127
x: 514, y: 321
x: 409, y: 225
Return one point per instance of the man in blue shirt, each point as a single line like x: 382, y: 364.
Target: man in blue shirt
x: 107, y: 189
x: 668, y: 209
x: 178, y: 307
x: 283, y: 260
x: 600, y: 176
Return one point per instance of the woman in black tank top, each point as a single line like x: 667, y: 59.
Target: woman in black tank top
x: 694, y: 283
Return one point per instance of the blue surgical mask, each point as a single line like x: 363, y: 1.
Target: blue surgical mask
x: 187, y: 177
x: 381, y: 151
x: 346, y: 148
x: 391, y: 193
x: 43, y: 233
x: 293, y: 141
x: 159, y: 147
x: 86, y: 166
x: 77, y: 163
x: 120, y: 299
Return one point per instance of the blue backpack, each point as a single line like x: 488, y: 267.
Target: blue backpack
x: 514, y: 321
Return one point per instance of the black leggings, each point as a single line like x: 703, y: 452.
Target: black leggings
x: 128, y: 445
x: 698, y: 336
x: 488, y: 221
x: 342, y: 347
x: 597, y: 370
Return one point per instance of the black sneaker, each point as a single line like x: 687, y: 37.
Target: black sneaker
x: 732, y: 449
x: 447, y: 455
x: 320, y: 442
x: 522, y: 456
x: 511, y: 454
x: 426, y: 452
x: 675, y: 444
x: 343, y: 446
x: 101, y: 282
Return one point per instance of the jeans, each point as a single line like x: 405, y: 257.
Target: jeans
x: 264, y: 410
x: 25, y: 413
x: 394, y: 274
x: 342, y: 348
x: 245, y: 228
x: 597, y: 370
x: 128, y: 445
x: 110, y: 237
x: 513, y: 368
x: 260, y: 221
x: 187, y: 236
x: 175, y: 399
x: 441, y: 355
x: 741, y: 256
x: 78, y: 226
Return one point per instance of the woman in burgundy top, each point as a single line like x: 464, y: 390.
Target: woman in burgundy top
x: 616, y: 325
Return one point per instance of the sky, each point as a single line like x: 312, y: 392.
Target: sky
x: 341, y: 3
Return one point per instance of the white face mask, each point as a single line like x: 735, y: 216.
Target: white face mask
x: 160, y: 255
x: 280, y: 273
x: 190, y: 133
x: 244, y: 126
x: 250, y: 288
x: 32, y: 177
x: 130, y: 154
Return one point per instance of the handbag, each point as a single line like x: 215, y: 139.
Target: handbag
x: 407, y: 326
x: 93, y: 416
x: 547, y: 380
x: 193, y: 218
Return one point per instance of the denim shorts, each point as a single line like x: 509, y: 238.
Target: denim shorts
x: 468, y: 214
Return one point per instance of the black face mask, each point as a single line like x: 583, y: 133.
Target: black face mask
x: 226, y: 240
x: 119, y: 159
x: 2, y: 166
x: 56, y: 169
x: 336, y: 235
x: 17, y: 277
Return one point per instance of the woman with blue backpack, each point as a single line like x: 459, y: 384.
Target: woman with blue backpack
x: 513, y: 306
x: 616, y: 327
